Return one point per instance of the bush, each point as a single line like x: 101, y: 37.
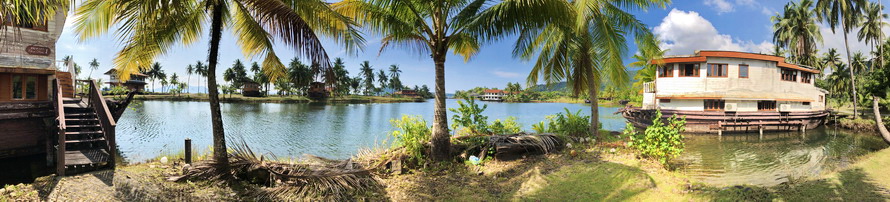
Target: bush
x: 568, y: 124
x: 413, y: 133
x: 469, y: 118
x: 660, y: 141
x: 508, y: 126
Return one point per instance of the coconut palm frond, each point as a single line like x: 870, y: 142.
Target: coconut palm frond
x: 313, y: 177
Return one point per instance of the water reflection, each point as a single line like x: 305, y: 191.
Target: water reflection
x: 776, y: 158
x: 337, y: 131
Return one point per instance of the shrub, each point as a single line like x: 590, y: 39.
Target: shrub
x: 661, y: 141
x: 568, y: 124
x: 469, y: 118
x: 508, y: 126
x: 412, y: 134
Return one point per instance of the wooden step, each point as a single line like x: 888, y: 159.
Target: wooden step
x: 86, y: 157
x: 79, y: 114
x: 84, y: 132
x: 84, y: 126
x: 85, y: 140
x: 75, y: 106
x: 81, y: 119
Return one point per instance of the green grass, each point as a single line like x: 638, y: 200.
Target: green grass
x: 602, y: 181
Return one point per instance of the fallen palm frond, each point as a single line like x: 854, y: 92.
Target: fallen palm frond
x: 507, y: 146
x: 312, y: 177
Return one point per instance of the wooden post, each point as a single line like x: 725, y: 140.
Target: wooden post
x: 188, y: 151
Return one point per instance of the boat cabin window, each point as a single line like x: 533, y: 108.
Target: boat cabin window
x: 743, y: 71
x: 717, y: 70
x: 714, y: 105
x: 789, y: 75
x: 24, y: 87
x: 666, y: 71
x: 766, y: 106
x: 689, y: 70
x: 806, y: 103
x: 664, y: 100
x: 805, y: 77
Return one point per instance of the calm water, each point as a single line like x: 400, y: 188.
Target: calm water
x: 778, y: 157
x: 151, y: 128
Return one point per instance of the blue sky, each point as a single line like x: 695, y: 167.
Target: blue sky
x: 684, y: 26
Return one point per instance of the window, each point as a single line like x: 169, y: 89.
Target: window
x: 28, y: 25
x: 664, y: 100
x: 714, y: 105
x: 717, y: 70
x: 689, y: 70
x: 666, y: 71
x: 789, y: 75
x: 766, y: 106
x: 821, y: 98
x: 805, y: 77
x: 806, y: 103
x: 24, y: 87
x: 743, y: 71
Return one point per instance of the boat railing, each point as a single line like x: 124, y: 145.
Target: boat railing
x: 649, y: 87
x: 106, y: 120
x: 59, y: 106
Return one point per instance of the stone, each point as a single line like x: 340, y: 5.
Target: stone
x: 164, y: 160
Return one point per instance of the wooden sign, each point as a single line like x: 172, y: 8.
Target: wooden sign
x: 37, y: 50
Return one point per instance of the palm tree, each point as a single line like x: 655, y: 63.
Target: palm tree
x: 831, y: 59
x: 859, y: 62
x: 382, y: 79
x: 435, y: 27
x: 149, y: 28
x: 394, y: 72
x: 201, y: 70
x: 796, y: 30
x: 153, y: 74
x: 94, y: 65
x: 870, y: 30
x: 299, y: 74
x: 648, y: 60
x: 368, y: 74
x: 846, y: 15
x: 189, y: 70
x: 587, y: 49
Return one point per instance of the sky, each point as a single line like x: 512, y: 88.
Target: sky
x: 683, y: 27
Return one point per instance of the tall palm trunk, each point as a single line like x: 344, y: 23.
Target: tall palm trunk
x: 220, y: 153
x: 852, y: 77
x: 441, y: 140
x: 592, y: 90
x: 878, y: 119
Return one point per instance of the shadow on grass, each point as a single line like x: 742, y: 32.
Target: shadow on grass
x: 600, y: 181
x: 850, y: 185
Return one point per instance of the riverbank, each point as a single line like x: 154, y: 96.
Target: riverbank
x: 278, y: 99
x: 604, y: 171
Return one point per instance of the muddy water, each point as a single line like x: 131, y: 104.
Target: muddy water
x: 774, y: 158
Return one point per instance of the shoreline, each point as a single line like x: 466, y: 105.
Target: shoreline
x: 274, y: 99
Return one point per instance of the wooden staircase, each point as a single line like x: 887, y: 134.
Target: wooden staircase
x: 85, y: 132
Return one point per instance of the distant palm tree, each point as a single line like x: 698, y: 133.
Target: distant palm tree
x: 189, y: 70
x: 382, y: 79
x: 433, y: 28
x: 153, y: 74
x: 94, y: 65
x: 831, y: 59
x: 846, y: 15
x: 859, y: 62
x: 648, y: 60
x: 587, y: 48
x: 148, y: 28
x: 796, y: 30
x: 201, y: 70
x: 368, y: 74
x: 870, y: 30
x: 394, y: 72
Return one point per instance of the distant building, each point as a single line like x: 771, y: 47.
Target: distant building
x: 493, y: 95
x: 136, y: 82
x: 251, y: 89
x: 733, y: 91
x: 406, y: 93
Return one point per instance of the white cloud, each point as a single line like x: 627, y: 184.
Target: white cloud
x: 504, y: 74
x: 720, y: 5
x: 836, y: 41
x: 767, y: 11
x: 685, y: 32
x: 746, y: 2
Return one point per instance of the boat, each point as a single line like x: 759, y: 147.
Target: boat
x: 729, y: 91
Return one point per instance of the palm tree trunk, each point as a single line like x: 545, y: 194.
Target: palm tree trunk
x: 878, y: 119
x: 220, y: 152
x: 441, y: 140
x: 852, y: 77
x: 592, y: 89
x: 188, y: 85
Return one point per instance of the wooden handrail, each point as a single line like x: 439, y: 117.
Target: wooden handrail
x: 106, y: 120
x: 60, y: 117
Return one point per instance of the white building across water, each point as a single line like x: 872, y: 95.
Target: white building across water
x: 733, y: 91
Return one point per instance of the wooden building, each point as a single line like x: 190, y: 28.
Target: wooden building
x: 40, y: 114
x: 406, y: 93
x: 251, y: 89
x: 493, y: 95
x: 722, y: 91
x: 136, y: 82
